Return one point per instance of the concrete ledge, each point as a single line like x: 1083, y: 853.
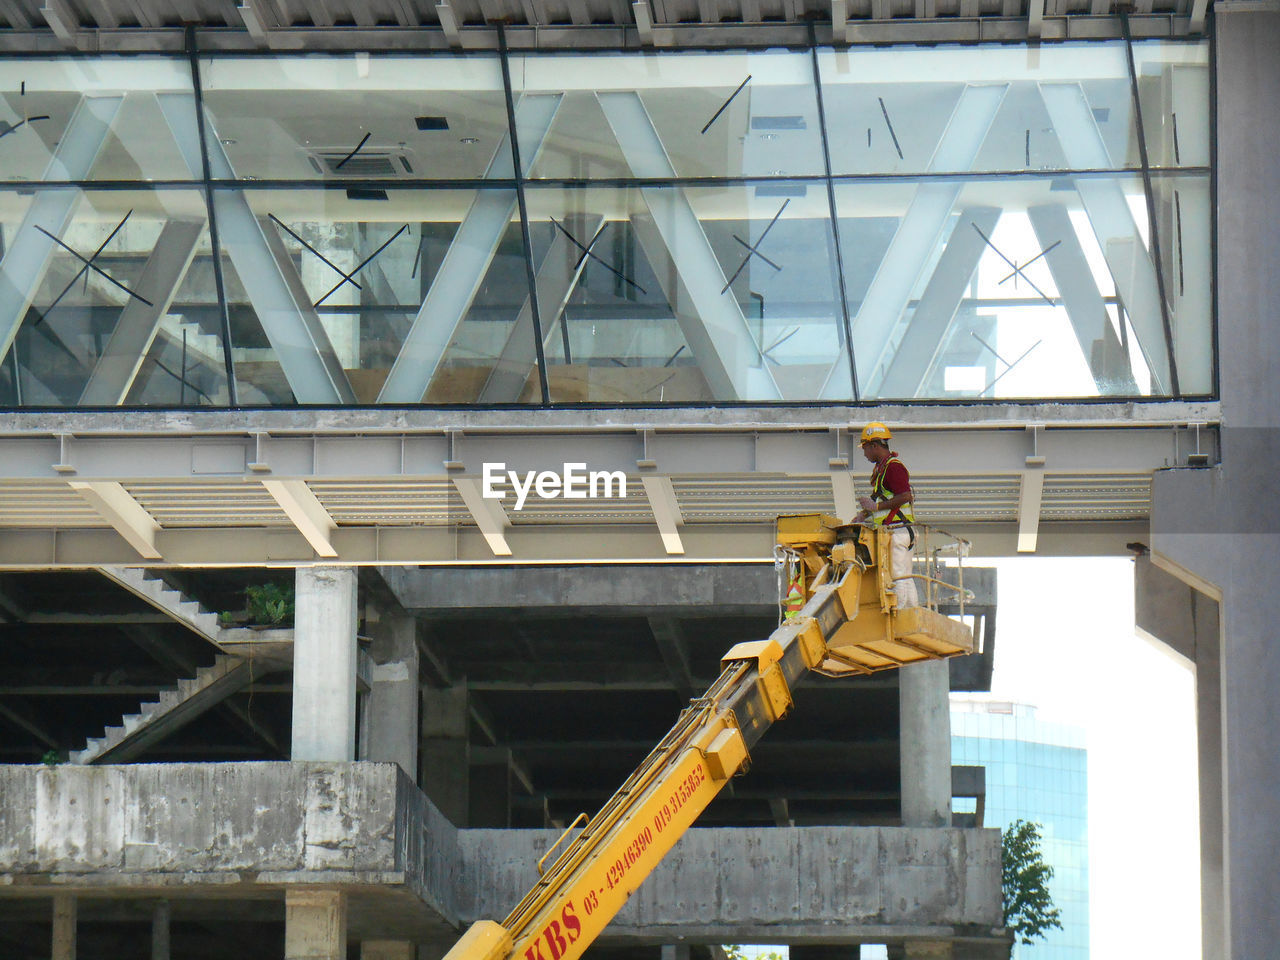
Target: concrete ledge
x: 248, y: 831
x: 226, y: 828
x: 797, y: 885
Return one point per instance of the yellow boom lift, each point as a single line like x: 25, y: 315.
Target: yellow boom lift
x: 849, y: 625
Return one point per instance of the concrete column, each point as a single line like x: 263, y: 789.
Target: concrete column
x: 160, y: 930
x: 1218, y: 529
x: 675, y: 951
x: 1189, y: 622
x: 490, y: 800
x: 315, y: 924
x: 64, y: 926
x: 390, y: 729
x: 925, y: 749
x: 388, y: 950
x: 324, y: 664
x: 446, y: 750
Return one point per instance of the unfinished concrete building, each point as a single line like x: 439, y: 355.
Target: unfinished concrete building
x: 287, y: 289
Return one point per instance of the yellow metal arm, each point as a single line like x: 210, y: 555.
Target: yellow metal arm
x: 849, y: 624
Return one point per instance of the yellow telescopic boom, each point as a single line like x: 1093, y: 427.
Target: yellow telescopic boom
x: 848, y: 625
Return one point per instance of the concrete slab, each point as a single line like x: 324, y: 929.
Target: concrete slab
x: 236, y: 834
x: 776, y: 885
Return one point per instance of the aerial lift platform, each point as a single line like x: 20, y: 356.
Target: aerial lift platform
x: 849, y: 625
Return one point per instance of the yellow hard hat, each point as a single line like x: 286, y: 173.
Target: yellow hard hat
x: 875, y: 431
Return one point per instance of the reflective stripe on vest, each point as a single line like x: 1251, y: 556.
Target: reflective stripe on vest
x: 795, y: 599
x: 880, y: 494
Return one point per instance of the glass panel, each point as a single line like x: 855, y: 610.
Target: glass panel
x: 688, y: 294
x: 357, y: 117
x: 90, y: 119
x: 1173, y: 82
x: 1184, y: 213
x: 1029, y: 288
x: 120, y: 308
x: 361, y: 268
x: 1005, y: 108
x: 674, y: 115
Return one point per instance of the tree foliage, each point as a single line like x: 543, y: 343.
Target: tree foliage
x: 735, y: 951
x: 1024, y: 882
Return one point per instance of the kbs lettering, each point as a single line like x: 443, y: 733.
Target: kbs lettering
x: 558, y: 935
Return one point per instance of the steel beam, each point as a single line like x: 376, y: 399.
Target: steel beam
x: 921, y: 345
x: 1112, y: 221
x: 275, y: 290
x: 449, y: 24
x: 467, y: 260
x: 839, y: 21
x: 63, y: 21
x: 114, y: 504
x: 134, y: 332
x: 1029, y: 497
x: 1199, y: 13
x: 30, y: 726
x: 305, y: 512
x: 561, y: 268
x: 917, y: 235
x: 709, y: 315
x: 1035, y: 19
x: 1083, y: 302
x: 488, y: 514
x: 666, y: 511
x: 569, y: 543
x: 403, y: 457
x: 673, y: 648
x: 26, y: 260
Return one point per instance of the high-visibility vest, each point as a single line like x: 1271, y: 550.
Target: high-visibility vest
x: 795, y: 600
x: 880, y: 493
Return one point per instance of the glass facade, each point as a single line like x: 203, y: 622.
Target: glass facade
x: 974, y: 223
x: 1035, y: 771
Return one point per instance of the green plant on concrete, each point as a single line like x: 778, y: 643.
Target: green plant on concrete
x: 1024, y: 882
x: 51, y: 758
x: 269, y: 604
x: 733, y: 951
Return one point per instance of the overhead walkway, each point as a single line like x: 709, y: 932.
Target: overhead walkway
x: 365, y: 487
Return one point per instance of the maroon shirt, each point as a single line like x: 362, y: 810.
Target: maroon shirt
x: 893, y: 480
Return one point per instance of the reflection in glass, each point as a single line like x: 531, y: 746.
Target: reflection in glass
x: 369, y: 298
x: 888, y: 113
x: 108, y: 299
x: 344, y: 285
x: 358, y: 117
x: 89, y: 119
x: 1173, y: 84
x: 1029, y: 288
x: 1183, y: 215
x: 698, y: 115
x: 686, y: 294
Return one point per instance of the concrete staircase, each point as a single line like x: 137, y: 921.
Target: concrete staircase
x: 149, y: 587
x: 176, y: 707
x: 200, y: 345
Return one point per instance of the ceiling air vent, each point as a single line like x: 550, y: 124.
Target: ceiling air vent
x: 365, y: 165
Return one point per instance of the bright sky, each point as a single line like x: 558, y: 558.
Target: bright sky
x: 1066, y: 643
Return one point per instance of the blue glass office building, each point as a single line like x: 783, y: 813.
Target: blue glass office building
x: 1035, y: 771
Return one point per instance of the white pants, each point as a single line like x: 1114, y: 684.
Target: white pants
x: 900, y: 568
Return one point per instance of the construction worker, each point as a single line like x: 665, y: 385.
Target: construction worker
x: 890, y: 506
